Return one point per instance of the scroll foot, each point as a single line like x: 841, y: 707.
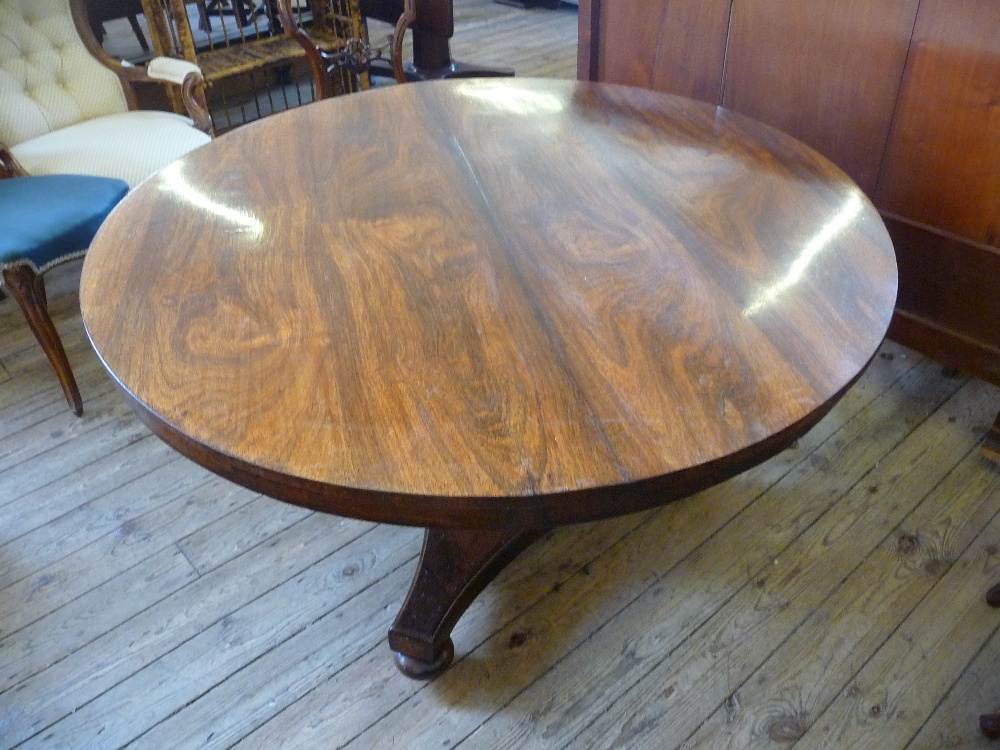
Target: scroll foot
x: 455, y: 566
x: 422, y: 670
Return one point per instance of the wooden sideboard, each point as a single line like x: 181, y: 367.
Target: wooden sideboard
x: 904, y: 95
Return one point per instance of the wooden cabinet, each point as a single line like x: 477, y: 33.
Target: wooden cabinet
x: 904, y: 95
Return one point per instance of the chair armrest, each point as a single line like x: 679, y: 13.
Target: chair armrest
x: 167, y: 70
x: 188, y: 76
x: 9, y: 166
x: 170, y: 69
x: 181, y: 73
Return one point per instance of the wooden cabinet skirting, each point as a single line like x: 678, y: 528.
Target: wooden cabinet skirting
x: 949, y: 298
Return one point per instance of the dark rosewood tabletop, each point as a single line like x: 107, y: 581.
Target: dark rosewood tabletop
x: 488, y: 307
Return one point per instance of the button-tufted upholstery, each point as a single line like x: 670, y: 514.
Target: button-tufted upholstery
x: 48, y: 79
x: 63, y: 111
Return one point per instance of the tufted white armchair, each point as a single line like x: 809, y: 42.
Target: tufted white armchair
x: 67, y: 107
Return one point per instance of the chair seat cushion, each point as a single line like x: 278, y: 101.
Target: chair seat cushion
x: 128, y: 146
x: 45, y: 220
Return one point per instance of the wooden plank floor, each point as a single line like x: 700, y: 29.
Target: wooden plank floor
x: 830, y: 598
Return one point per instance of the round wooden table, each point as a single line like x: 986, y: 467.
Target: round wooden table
x: 488, y: 307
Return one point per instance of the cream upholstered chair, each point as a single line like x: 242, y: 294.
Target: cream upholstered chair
x: 67, y: 107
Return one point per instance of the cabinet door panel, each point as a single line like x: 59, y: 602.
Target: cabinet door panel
x: 826, y: 72
x: 678, y: 46
x: 942, y: 165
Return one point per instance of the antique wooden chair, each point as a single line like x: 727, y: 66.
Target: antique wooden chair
x: 45, y: 221
x: 329, y: 63
x: 67, y: 107
x: 248, y: 52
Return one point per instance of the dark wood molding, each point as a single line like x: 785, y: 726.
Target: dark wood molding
x: 945, y: 345
x: 948, y: 298
x: 588, y: 47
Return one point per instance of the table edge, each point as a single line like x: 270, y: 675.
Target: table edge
x: 524, y: 511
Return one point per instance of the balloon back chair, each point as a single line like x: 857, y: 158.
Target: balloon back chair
x: 68, y: 108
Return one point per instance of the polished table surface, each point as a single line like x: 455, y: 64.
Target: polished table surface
x: 488, y: 307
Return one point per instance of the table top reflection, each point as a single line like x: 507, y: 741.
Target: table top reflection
x: 490, y: 301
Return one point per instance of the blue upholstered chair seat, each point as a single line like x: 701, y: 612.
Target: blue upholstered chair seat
x: 43, y: 221
x: 48, y: 219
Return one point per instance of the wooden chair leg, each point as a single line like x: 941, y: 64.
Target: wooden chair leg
x: 989, y: 724
x: 991, y: 447
x: 28, y: 289
x: 137, y: 30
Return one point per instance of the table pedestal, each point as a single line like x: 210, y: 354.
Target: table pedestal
x: 432, y: 29
x: 454, y: 355
x: 455, y: 566
x: 432, y: 61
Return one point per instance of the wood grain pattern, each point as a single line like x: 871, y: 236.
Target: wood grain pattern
x: 605, y: 584
x: 960, y: 622
x: 953, y: 284
x: 806, y: 68
x: 910, y: 537
x: 621, y: 289
x: 332, y: 679
x: 943, y: 154
x: 902, y: 95
x: 678, y: 46
x: 330, y: 683
x: 668, y: 592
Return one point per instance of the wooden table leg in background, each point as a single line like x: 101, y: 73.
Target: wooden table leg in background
x: 455, y: 566
x: 432, y: 31
x: 991, y: 446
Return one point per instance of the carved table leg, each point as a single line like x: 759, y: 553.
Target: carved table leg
x: 991, y: 447
x: 455, y: 565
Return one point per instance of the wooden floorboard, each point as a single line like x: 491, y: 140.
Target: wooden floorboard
x: 829, y: 598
